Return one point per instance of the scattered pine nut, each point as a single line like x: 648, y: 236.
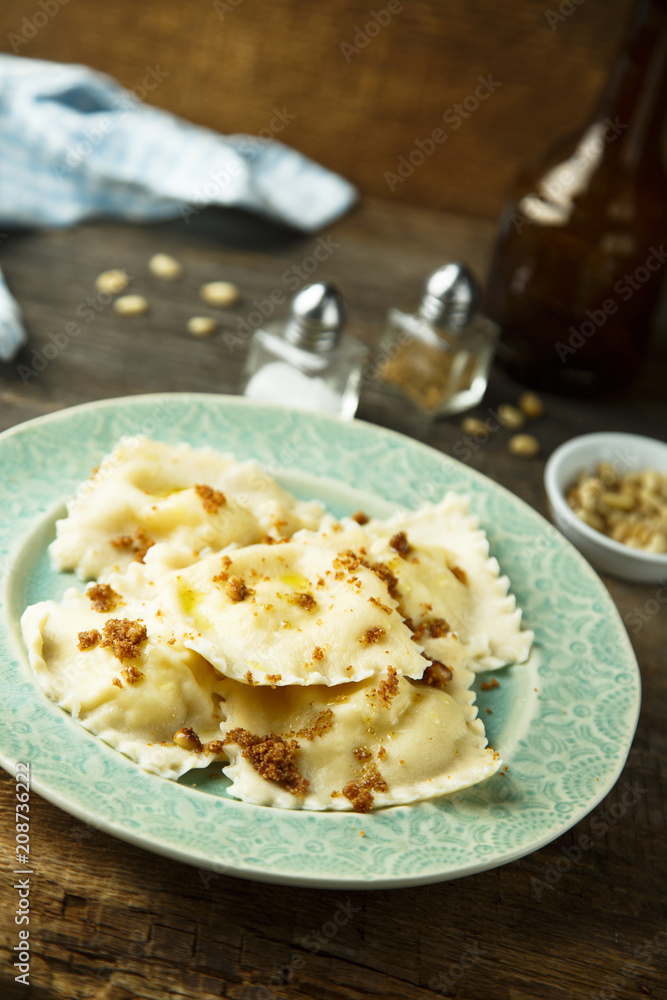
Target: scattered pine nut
x: 187, y: 739
x: 531, y: 404
x: 202, y: 326
x: 165, y: 267
x: 220, y: 293
x: 474, y: 426
x: 510, y: 417
x: 131, y: 305
x: 112, y: 282
x: 524, y: 445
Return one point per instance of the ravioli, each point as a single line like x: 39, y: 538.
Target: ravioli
x: 136, y: 696
x: 307, y: 611
x: 147, y: 491
x: 329, y: 663
x: 488, y: 621
x: 383, y: 741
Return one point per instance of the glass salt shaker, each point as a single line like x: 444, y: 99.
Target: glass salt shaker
x: 308, y: 361
x: 439, y: 357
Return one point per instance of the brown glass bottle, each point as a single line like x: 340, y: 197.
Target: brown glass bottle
x: 580, y: 256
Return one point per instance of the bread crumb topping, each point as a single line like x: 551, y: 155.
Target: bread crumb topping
x: 236, y: 589
x: 435, y: 629
x: 211, y: 500
x: 124, y: 637
x: 272, y: 757
x: 88, y: 640
x: 305, y: 601
x: 371, y: 635
x: 103, y: 597
x: 400, y: 543
x: 140, y: 543
x: 360, y: 792
x: 322, y: 724
x: 388, y: 688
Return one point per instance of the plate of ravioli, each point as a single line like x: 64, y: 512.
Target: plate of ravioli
x: 272, y: 644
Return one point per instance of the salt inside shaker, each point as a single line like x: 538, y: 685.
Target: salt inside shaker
x: 439, y: 357
x: 309, y: 361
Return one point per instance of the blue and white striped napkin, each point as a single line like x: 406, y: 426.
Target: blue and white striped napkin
x: 76, y: 145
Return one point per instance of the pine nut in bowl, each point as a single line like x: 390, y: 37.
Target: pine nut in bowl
x: 607, y: 493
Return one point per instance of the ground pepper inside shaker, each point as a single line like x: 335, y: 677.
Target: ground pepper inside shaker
x: 439, y: 357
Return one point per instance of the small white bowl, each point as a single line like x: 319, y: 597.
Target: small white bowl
x: 626, y: 452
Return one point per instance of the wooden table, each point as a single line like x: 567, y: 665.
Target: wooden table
x: 112, y: 922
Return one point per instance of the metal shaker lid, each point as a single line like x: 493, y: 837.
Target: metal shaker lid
x: 451, y: 296
x: 316, y: 317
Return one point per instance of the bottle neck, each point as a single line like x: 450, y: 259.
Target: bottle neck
x: 632, y: 106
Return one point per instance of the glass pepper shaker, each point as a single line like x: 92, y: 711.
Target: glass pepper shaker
x: 308, y: 361
x: 439, y: 357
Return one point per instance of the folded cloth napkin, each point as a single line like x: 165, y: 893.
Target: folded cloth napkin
x: 77, y: 145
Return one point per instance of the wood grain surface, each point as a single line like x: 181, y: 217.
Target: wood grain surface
x: 113, y: 922
x: 361, y: 110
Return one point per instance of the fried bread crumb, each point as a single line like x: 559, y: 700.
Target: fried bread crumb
x: 124, y: 637
x: 272, y: 757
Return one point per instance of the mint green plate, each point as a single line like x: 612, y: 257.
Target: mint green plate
x: 563, y: 722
